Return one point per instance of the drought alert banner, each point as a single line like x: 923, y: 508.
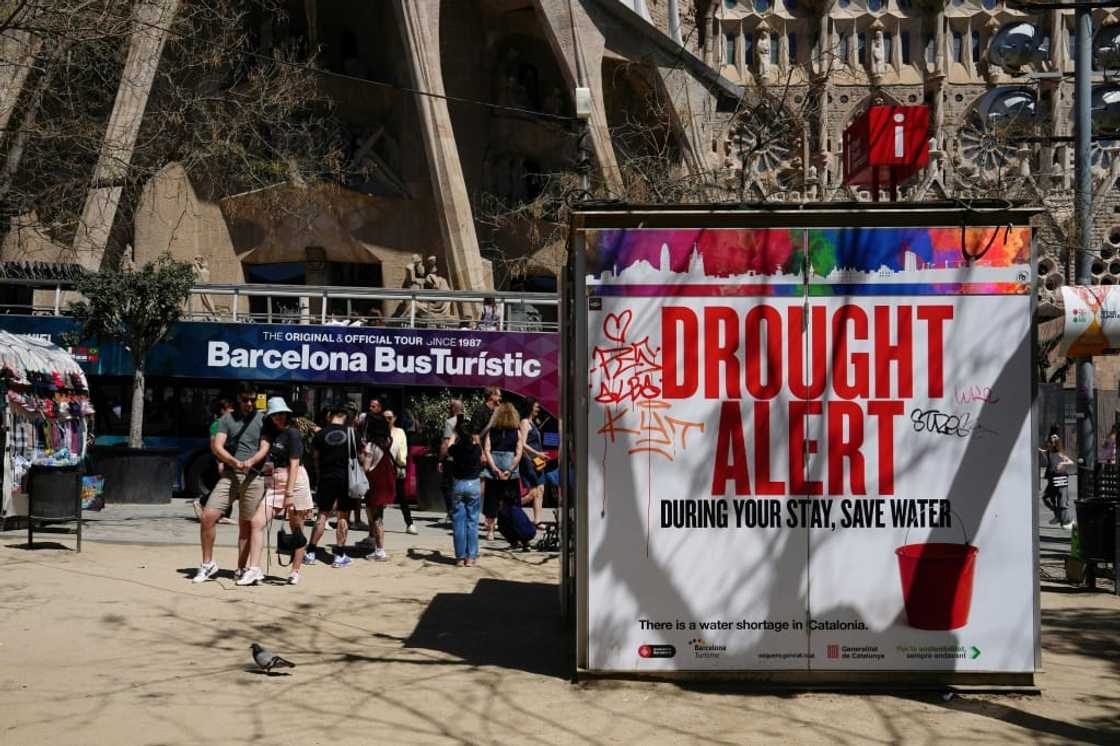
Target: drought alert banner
x: 810, y: 449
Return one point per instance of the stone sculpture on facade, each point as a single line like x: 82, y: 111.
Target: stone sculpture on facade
x: 128, y: 262
x: 762, y: 50
x: 878, y: 52
x: 414, y: 273
x: 435, y: 309
x: 424, y: 275
x: 812, y: 185
x: 202, y: 277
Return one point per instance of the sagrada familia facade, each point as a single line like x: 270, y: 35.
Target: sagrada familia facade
x: 744, y: 100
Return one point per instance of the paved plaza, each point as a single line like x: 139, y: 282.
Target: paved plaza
x: 114, y: 645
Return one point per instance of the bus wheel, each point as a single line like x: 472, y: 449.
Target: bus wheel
x: 201, y: 475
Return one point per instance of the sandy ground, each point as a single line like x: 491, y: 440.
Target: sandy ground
x: 114, y: 646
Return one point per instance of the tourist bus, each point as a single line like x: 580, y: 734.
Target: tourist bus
x: 200, y: 362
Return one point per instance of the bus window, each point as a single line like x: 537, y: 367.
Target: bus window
x: 196, y: 409
x: 161, y: 411
x: 111, y: 403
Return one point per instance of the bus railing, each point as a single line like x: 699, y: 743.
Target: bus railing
x: 305, y: 304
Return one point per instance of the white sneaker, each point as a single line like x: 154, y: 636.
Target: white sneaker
x: 293, y: 579
x: 378, y: 555
x: 411, y: 529
x: 309, y: 558
x: 238, y: 573
x: 206, y: 571
x: 1067, y: 526
x: 252, y: 576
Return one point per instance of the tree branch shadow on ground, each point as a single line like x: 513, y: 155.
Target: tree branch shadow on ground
x: 1102, y: 730
x: 1088, y: 632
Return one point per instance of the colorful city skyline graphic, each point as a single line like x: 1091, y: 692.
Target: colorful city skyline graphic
x: 770, y: 252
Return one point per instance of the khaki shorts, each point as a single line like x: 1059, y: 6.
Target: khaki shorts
x: 227, y: 489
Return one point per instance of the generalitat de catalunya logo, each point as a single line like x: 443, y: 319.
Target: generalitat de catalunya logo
x: 656, y: 651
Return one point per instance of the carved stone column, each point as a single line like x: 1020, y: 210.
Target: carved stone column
x: 579, y: 45
x: 145, y: 48
x: 17, y: 56
x: 419, y: 26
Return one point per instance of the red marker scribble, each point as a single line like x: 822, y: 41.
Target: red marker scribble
x: 625, y: 378
x: 627, y: 373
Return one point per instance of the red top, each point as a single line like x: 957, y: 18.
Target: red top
x: 382, y: 481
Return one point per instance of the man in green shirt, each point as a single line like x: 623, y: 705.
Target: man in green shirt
x: 222, y: 407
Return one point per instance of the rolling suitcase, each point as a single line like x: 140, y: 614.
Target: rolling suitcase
x: 514, y: 526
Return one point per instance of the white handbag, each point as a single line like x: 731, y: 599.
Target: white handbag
x: 356, y: 476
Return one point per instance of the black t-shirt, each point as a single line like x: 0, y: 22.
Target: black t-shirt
x: 503, y: 439
x: 334, y: 453
x: 466, y: 459
x: 481, y: 418
x: 286, y: 445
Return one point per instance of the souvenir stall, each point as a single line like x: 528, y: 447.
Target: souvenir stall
x: 45, y: 412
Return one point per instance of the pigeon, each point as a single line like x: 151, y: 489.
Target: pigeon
x: 267, y: 660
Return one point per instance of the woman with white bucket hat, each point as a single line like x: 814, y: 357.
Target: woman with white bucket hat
x: 288, y: 488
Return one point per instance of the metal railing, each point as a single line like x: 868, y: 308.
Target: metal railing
x: 350, y: 306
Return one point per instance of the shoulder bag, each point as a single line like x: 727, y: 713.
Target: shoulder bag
x: 356, y: 477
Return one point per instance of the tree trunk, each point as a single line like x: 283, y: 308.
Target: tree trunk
x: 136, y: 420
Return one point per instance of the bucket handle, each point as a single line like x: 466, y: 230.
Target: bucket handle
x: 960, y: 522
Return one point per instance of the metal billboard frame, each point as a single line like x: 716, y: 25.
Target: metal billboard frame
x: 574, y: 408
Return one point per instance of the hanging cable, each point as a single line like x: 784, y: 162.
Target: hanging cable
x: 970, y: 258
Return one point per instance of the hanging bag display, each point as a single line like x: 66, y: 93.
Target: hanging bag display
x: 356, y: 477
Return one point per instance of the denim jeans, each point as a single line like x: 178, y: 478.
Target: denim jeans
x: 465, y: 503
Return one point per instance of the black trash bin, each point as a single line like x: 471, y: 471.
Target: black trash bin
x: 54, y: 495
x: 1096, y: 529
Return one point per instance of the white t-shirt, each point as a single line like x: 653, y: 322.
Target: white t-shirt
x: 398, y: 449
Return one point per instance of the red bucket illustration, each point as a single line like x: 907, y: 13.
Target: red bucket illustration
x: 937, y: 583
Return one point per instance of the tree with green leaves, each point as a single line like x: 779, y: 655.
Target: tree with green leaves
x: 135, y: 309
